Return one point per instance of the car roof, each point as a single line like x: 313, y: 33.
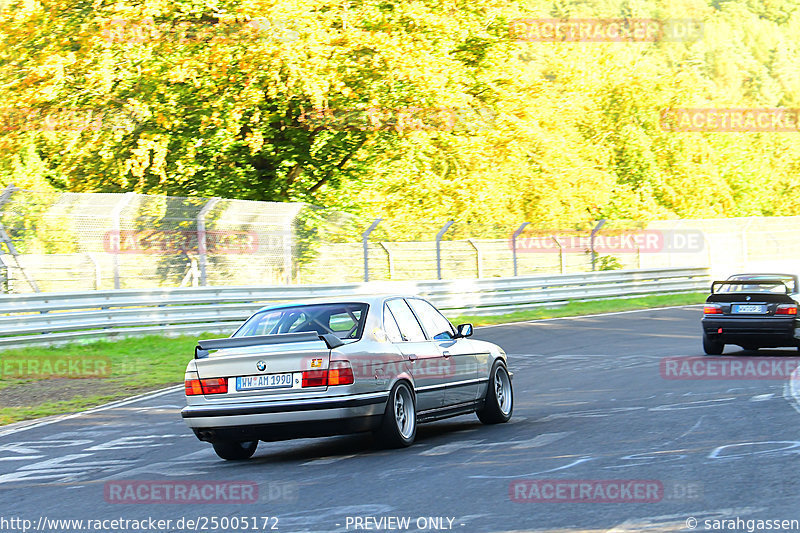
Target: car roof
x: 371, y: 300
x: 745, y: 277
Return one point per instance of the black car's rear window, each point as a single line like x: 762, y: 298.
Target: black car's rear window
x: 345, y: 320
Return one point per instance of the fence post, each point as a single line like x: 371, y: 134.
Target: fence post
x: 561, y: 258
x: 514, y: 245
x: 594, y: 232
x: 97, y: 277
x: 115, y: 220
x: 477, y: 257
x: 439, y: 248
x: 5, y: 273
x: 365, y: 242
x: 4, y: 280
x: 388, y: 259
x: 202, y: 246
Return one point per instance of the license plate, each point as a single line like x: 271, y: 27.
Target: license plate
x: 267, y: 381
x: 750, y: 309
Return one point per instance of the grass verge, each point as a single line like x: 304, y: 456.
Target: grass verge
x: 132, y: 366
x: 33, y: 385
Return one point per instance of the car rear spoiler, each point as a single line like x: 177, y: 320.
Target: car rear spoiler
x: 749, y: 282
x: 203, y: 347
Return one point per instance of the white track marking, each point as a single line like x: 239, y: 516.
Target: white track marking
x: 328, y: 460
x: 791, y: 390
x: 762, y: 397
x: 774, y: 447
x: 32, y: 424
x: 691, y: 405
x: 570, y: 465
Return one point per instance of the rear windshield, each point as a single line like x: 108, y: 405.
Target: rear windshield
x: 345, y: 320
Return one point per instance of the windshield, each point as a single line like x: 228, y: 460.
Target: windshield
x: 345, y: 320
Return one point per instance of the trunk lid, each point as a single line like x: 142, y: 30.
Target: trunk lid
x: 262, y: 368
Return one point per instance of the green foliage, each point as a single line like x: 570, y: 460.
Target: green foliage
x: 416, y: 111
x: 608, y: 262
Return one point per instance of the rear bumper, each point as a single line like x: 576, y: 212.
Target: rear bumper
x: 279, y: 420
x: 288, y: 430
x: 761, y: 331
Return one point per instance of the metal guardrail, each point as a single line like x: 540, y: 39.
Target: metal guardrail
x: 44, y: 318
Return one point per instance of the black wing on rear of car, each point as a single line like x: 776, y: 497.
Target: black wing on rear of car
x: 750, y: 297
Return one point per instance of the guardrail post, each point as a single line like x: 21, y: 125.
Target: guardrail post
x: 514, y: 245
x: 561, y: 258
x: 594, y: 232
x: 365, y: 242
x: 477, y: 258
x: 202, y: 245
x: 439, y: 248
x: 388, y: 259
x: 115, y: 215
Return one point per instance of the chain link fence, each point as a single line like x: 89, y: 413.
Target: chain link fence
x: 76, y: 241
x: 73, y: 241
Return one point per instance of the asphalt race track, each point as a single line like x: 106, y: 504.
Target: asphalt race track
x: 591, y: 403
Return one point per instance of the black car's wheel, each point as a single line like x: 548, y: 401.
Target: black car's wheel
x: 712, y: 347
x: 398, y: 428
x: 499, y: 402
x: 235, y: 451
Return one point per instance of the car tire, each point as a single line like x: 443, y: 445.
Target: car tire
x: 398, y: 427
x: 712, y: 347
x: 235, y: 451
x: 499, y: 402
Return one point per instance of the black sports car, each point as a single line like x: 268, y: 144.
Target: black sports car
x: 753, y: 311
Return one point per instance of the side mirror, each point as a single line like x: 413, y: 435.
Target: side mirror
x: 463, y: 330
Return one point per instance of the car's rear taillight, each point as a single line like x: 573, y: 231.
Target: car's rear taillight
x: 712, y: 309
x: 315, y: 378
x: 340, y: 373
x: 195, y: 387
x: 786, y: 309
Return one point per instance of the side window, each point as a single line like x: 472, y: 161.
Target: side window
x: 409, y: 327
x: 390, y: 326
x: 436, y: 325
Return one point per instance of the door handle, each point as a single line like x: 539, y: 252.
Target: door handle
x: 446, y: 353
x: 412, y: 357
